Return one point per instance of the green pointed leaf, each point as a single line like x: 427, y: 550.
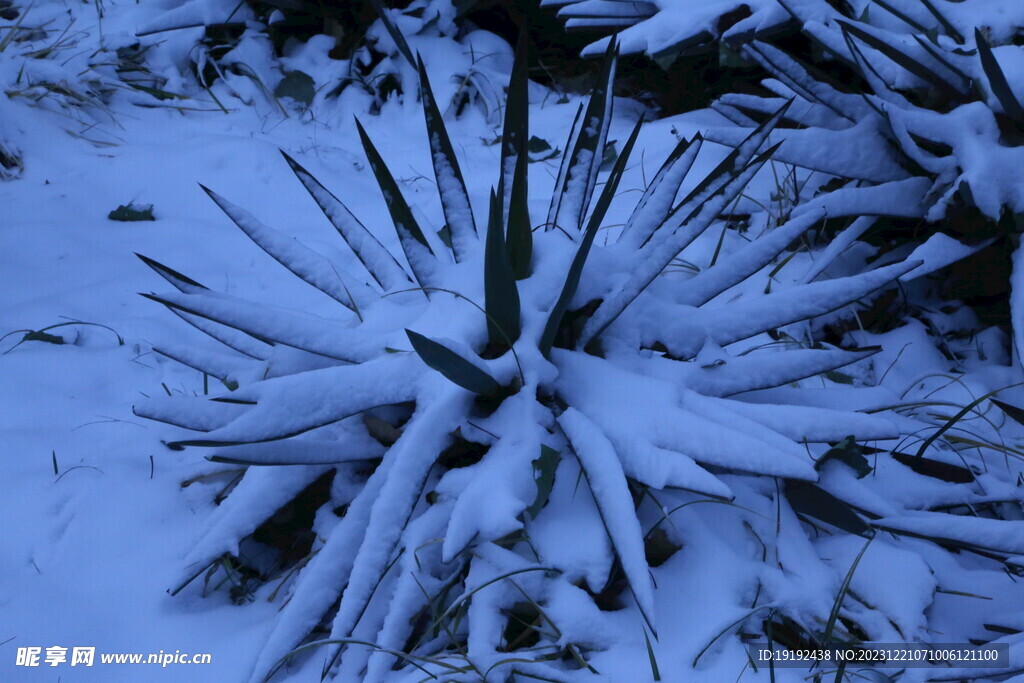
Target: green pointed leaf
x: 453, y: 366
x: 997, y: 80
x: 572, y: 279
x: 1013, y: 412
x: 182, y: 283
x: 414, y: 244
x: 501, y: 297
x: 458, y: 213
x: 519, y: 231
x: 935, y: 468
x: 544, y: 473
x: 812, y: 501
x: 515, y: 148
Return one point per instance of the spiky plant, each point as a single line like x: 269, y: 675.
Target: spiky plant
x: 925, y: 91
x: 664, y: 29
x: 505, y: 431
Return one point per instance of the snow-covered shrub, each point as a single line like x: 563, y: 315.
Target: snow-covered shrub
x: 254, y: 53
x: 58, y: 59
x: 665, y: 28
x: 920, y: 106
x: 505, y: 433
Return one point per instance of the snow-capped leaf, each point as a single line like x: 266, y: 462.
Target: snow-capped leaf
x: 316, y: 335
x: 604, y: 474
x: 900, y: 57
x: 451, y: 188
x: 659, y: 196
x: 997, y: 79
x: 298, y: 258
x: 294, y: 404
x: 572, y: 279
x: 417, y: 250
x: 659, y: 252
x: 583, y: 159
x: 377, y: 260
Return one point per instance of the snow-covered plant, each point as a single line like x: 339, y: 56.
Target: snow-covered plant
x: 926, y: 119
x: 663, y: 29
x: 505, y: 431
x: 253, y: 52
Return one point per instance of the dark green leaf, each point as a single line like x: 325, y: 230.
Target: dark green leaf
x: 399, y: 209
x: 453, y: 366
x: 544, y: 473
x: 997, y: 80
x: 512, y: 185
x: 182, y: 283
x: 41, y: 336
x: 1013, y: 412
x: 132, y: 212
x: 501, y: 297
x: 838, y: 377
x: 935, y: 468
x: 458, y: 213
x: 652, y: 659
x: 538, y: 145
x: 298, y: 86
x: 850, y: 453
x: 519, y: 231
x: 811, y: 501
